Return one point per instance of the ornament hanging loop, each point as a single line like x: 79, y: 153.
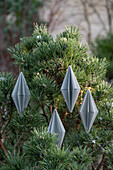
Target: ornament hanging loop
x: 71, y: 57
x: 71, y: 60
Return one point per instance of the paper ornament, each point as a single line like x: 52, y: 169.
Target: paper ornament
x: 56, y: 126
x: 21, y: 94
x: 70, y: 89
x: 88, y: 111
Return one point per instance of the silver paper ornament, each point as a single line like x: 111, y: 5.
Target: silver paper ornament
x: 21, y: 94
x: 70, y: 89
x: 88, y: 111
x: 56, y: 126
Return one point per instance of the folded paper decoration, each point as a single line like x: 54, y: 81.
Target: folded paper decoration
x: 88, y: 111
x: 56, y: 126
x: 70, y: 89
x: 21, y: 94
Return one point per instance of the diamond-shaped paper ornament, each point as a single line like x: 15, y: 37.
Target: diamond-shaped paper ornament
x: 56, y: 126
x: 70, y: 89
x: 21, y: 94
x: 88, y: 111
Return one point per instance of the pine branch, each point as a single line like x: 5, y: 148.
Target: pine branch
x: 1, y: 163
x: 3, y: 148
x: 2, y: 110
x: 3, y: 131
x: 45, y: 114
x: 18, y: 142
x: 102, y: 162
x: 51, y: 110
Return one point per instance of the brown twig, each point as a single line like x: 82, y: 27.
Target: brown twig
x: 18, y: 142
x: 1, y: 163
x: 53, y: 17
x: 3, y: 148
x: 92, y: 5
x: 51, y: 110
x: 45, y: 114
x: 102, y: 162
x: 93, y: 167
x: 2, y: 108
x: 86, y: 15
x: 109, y: 15
x: 7, y: 123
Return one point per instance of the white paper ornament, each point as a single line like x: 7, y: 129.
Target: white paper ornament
x: 21, y: 94
x: 70, y: 89
x: 88, y: 111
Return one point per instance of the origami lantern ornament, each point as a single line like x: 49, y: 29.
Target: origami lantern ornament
x: 88, y: 111
x: 56, y: 126
x: 70, y: 89
x: 21, y: 94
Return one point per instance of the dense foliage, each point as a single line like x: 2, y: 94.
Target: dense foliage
x: 102, y: 47
x: 44, y: 62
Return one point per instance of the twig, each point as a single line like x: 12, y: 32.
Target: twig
x: 93, y: 167
x: 98, y: 15
x: 45, y: 114
x: 102, y: 162
x: 51, y: 110
x: 109, y: 15
x: 53, y: 17
x: 3, y: 148
x: 19, y: 140
x: 1, y: 163
x: 3, y: 131
x: 84, y: 3
x: 2, y: 109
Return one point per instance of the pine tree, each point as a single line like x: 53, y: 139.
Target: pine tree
x: 44, y: 62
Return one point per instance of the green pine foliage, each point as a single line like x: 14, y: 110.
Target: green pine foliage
x: 44, y: 62
x: 14, y: 161
x: 58, y: 159
x: 109, y: 156
x: 37, y: 147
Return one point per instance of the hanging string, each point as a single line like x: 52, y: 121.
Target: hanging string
x: 71, y: 54
x: 71, y: 57
x: 71, y: 60
x: 21, y: 66
x: 19, y: 69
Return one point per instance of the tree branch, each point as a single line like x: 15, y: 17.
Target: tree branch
x: 45, y: 114
x: 3, y: 148
x: 53, y: 17
x: 102, y: 162
x: 109, y: 15
x: 92, y: 5
x: 19, y: 140
x: 1, y: 163
x: 7, y: 123
x: 85, y: 9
